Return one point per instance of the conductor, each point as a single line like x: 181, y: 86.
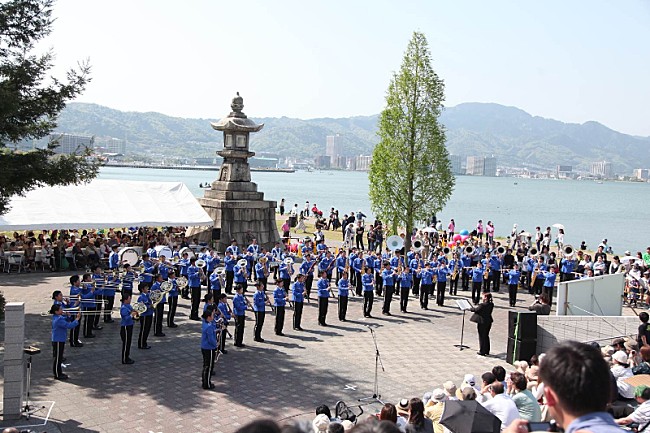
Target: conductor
x: 483, y: 318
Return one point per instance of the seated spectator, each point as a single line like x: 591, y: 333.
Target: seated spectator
x: 541, y: 305
x: 389, y: 413
x: 501, y: 405
x: 485, y: 394
x: 450, y: 390
x: 321, y: 423
x: 621, y: 371
x: 500, y: 375
x: 644, y: 366
x: 417, y: 422
x: 30, y: 255
x: 641, y: 414
x: 524, y: 400
x: 467, y: 393
x: 434, y: 408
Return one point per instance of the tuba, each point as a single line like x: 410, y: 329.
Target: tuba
x: 418, y: 244
x: 568, y: 250
x: 533, y: 252
x: 469, y: 250
x: 200, y: 263
x: 446, y: 250
x: 501, y: 250
x: 394, y: 243
x: 181, y: 282
x: 263, y: 259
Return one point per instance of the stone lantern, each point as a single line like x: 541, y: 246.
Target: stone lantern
x: 239, y: 211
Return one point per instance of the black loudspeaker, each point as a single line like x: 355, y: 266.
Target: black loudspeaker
x: 522, y: 325
x: 216, y: 234
x: 520, y: 350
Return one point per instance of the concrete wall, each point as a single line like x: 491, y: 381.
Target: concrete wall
x: 603, y: 329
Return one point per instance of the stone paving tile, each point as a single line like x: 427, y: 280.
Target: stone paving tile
x: 283, y: 377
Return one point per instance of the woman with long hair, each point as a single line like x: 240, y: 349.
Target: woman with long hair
x: 417, y: 423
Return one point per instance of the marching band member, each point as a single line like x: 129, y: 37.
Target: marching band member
x: 145, y: 318
x: 540, y: 267
x: 378, y: 282
x: 58, y: 299
x: 495, y: 272
x: 326, y: 265
x: 254, y: 248
x: 341, y: 262
x: 279, y: 300
x: 307, y: 269
x: 151, y: 251
x: 126, y: 327
x: 146, y: 278
x: 368, y: 294
x: 229, y: 261
x: 323, y: 298
x: 549, y: 282
x: 513, y: 281
x: 406, y: 281
x: 388, y: 277
x: 112, y: 283
x: 239, y: 310
x: 208, y: 300
x: 127, y: 279
x: 276, y: 256
x: 261, y: 273
x: 297, y: 296
x: 183, y: 266
x: 212, y: 260
x: 159, y: 309
x: 60, y: 326
x: 194, y: 282
x: 87, y: 295
x: 259, y: 308
x: 233, y: 248
x: 99, y: 279
x: 163, y: 267
x: 442, y: 273
x: 215, y: 283
x: 426, y: 283
x: 351, y: 258
x: 358, y: 265
x: 240, y: 276
x: 208, y: 347
x: 454, y: 270
x: 75, y: 298
x: 224, y: 312
x: 285, y: 272
x: 172, y: 300
x: 477, y: 282
x: 114, y: 258
x: 530, y: 268
x: 395, y: 262
x: 250, y: 262
x: 466, y: 262
x: 414, y: 264
x: 567, y: 267
x: 343, y: 294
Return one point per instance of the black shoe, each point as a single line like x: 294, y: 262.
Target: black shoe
x: 97, y: 328
x: 224, y: 352
x: 480, y: 354
x: 240, y: 345
x: 109, y: 321
x: 173, y: 325
x: 195, y: 318
x: 77, y: 344
x: 89, y: 336
x: 128, y: 361
x: 342, y: 320
x: 386, y: 314
x: 259, y: 340
x: 281, y: 334
x: 145, y: 347
x: 62, y: 377
x: 160, y: 334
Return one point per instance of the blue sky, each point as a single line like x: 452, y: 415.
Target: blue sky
x: 569, y: 60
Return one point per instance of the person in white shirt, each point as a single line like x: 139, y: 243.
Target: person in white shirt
x: 621, y: 371
x: 501, y: 405
x: 641, y: 414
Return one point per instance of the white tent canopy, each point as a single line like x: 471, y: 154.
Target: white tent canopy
x: 105, y: 204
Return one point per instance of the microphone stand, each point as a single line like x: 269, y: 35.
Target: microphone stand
x: 376, y: 397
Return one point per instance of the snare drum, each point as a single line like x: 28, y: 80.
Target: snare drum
x: 163, y: 250
x: 188, y: 250
x: 129, y: 256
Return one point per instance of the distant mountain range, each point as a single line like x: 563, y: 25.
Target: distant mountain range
x: 515, y: 137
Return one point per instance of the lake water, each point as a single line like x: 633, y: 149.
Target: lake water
x: 618, y: 211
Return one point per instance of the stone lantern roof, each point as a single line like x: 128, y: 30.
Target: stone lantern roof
x: 237, y: 120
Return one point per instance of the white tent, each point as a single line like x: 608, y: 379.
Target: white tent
x: 105, y: 204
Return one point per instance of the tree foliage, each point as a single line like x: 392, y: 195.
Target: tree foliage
x: 410, y: 174
x: 30, y: 102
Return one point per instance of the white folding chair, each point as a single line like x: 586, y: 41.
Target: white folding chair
x: 15, y: 260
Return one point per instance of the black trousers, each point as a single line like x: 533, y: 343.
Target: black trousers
x: 538, y: 286
x: 171, y: 313
x: 512, y: 294
x: 259, y: 324
x: 208, y: 363
x: 416, y: 286
x: 74, y: 335
x: 565, y: 277
x: 99, y: 302
x: 549, y: 293
x: 465, y: 279
x: 359, y: 242
x: 486, y: 283
x: 379, y: 284
x: 343, y: 307
x: 264, y: 281
x: 484, y: 338
x: 322, y: 310
x: 403, y: 298
x: 440, y: 296
x: 308, y: 283
x: 145, y: 328
x: 359, y: 284
x: 495, y: 277
x: 368, y: 299
x: 158, y: 318
x: 240, y: 321
x: 279, y: 319
x: 110, y: 302
x: 88, y: 321
x: 126, y: 334
x: 196, y: 300
x: 297, y: 314
x: 388, y: 297
x: 453, y: 286
x: 57, y: 358
x: 425, y: 290
x: 286, y: 283
x: 222, y: 339
x: 476, y: 291
x: 230, y: 275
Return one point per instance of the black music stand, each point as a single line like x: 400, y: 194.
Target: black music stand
x: 464, y: 305
x: 376, y: 397
x: 28, y: 410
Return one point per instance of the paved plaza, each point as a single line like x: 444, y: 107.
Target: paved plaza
x: 283, y: 377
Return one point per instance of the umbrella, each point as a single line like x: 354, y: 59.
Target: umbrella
x: 468, y: 416
x: 628, y: 259
x: 429, y: 230
x: 558, y: 226
x: 526, y: 234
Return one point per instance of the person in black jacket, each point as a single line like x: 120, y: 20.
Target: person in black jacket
x: 483, y: 318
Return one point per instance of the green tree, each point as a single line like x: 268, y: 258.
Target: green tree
x: 410, y: 174
x: 30, y: 102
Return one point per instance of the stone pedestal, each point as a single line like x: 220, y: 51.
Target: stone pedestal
x: 14, y: 369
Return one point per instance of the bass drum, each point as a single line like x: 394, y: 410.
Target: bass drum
x: 129, y: 256
x: 188, y: 250
x: 163, y: 250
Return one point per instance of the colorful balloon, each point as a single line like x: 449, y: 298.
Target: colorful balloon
x: 464, y: 232
x: 464, y: 238
x: 457, y: 237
